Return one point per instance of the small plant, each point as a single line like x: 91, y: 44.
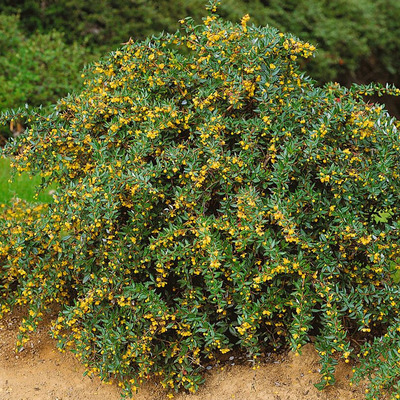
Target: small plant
x: 211, y: 198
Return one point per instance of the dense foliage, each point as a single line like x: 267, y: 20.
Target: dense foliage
x: 38, y: 69
x: 356, y: 39
x: 211, y: 198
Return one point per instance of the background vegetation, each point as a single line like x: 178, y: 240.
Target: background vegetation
x: 38, y: 68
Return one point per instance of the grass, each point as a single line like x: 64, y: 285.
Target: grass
x: 22, y: 186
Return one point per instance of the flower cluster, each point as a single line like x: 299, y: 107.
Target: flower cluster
x: 210, y: 198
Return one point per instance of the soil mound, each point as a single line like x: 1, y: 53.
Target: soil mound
x: 41, y: 372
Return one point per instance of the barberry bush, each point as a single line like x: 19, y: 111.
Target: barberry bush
x: 210, y: 198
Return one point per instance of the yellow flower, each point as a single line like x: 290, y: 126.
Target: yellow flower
x: 244, y: 21
x: 223, y: 351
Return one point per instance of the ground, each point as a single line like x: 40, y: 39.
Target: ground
x: 41, y: 372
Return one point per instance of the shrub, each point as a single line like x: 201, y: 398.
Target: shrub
x: 356, y: 39
x: 211, y: 198
x: 38, y: 69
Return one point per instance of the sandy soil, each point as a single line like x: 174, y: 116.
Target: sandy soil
x: 41, y: 372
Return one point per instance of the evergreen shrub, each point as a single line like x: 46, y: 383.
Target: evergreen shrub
x: 35, y: 70
x: 38, y: 69
x: 211, y: 198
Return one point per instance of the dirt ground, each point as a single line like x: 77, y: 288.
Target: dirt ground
x: 41, y: 372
